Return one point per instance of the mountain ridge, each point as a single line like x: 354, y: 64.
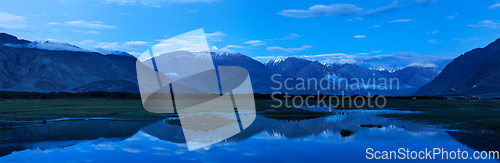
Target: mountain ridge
x: 472, y: 73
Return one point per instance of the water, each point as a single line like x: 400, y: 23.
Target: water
x: 266, y: 140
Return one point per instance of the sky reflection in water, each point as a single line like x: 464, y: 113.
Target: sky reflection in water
x: 267, y: 140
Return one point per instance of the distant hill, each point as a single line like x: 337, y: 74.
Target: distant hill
x: 477, y: 72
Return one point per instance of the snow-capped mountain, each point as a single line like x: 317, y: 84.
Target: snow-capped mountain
x: 24, y: 68
x: 53, y: 67
x: 410, y: 78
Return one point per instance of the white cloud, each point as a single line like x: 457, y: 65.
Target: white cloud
x: 290, y: 36
x: 495, y: 6
x: 215, y: 37
x: 375, y: 52
x: 454, y: 16
x: 53, y: 23
x: 234, y: 46
x: 322, y: 10
x: 154, y: 3
x: 135, y: 44
x: 467, y: 39
x: 108, y: 45
x: 424, y: 2
x: 255, y: 42
x: 401, y: 20
x: 86, y: 42
x: 12, y: 21
x: 376, y: 26
x: 432, y: 65
x: 360, y: 36
x: 382, y: 10
x: 486, y: 24
x: 382, y: 61
x: 89, y: 24
x: 218, y: 33
x: 433, y: 41
x: 228, y: 49
x: 289, y: 50
x: 88, y: 32
x: 435, y: 32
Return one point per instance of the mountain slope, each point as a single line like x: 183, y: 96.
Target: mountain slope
x: 473, y: 73
x: 32, y: 69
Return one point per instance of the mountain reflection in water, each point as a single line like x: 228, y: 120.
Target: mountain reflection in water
x: 271, y: 139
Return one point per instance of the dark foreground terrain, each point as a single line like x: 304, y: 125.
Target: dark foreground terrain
x: 480, y: 117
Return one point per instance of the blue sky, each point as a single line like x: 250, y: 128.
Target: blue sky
x: 382, y: 34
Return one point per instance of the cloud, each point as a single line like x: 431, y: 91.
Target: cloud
x: 226, y: 49
x: 360, y: 36
x: 53, y: 23
x: 382, y: 10
x: 114, y: 51
x: 288, y: 50
x: 89, y: 24
x: 424, y: 2
x: 12, y: 21
x: 382, y: 61
x: 495, y: 6
x: 88, y: 32
x: 234, y: 46
x: 108, y: 45
x: 454, y: 16
x: 351, y: 10
x: 433, y: 41
x: 376, y: 26
x: 401, y: 20
x: 135, y: 44
x: 322, y: 10
x: 375, y: 52
x: 215, y: 37
x: 486, y: 24
x: 153, y: 3
x: 435, y: 32
x: 467, y: 39
x: 255, y: 42
x: 290, y: 36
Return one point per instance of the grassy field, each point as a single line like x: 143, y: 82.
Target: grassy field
x: 39, y: 110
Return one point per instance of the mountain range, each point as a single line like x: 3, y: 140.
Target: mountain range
x: 353, y: 76
x: 28, y: 66
x: 477, y: 72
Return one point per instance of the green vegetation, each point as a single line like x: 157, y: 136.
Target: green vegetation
x: 67, y: 95
x: 39, y: 110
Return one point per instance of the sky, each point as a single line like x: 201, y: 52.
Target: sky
x: 382, y: 34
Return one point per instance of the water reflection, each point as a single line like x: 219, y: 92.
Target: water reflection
x: 271, y: 139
